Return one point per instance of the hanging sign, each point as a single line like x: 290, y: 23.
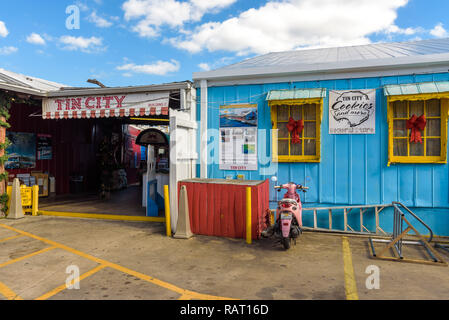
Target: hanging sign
x: 117, y: 105
x: 352, y: 112
x: 238, y: 137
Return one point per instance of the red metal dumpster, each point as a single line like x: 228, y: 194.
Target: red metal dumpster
x: 217, y: 207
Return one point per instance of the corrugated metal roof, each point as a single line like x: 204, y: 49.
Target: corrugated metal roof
x: 416, y: 88
x: 295, y: 94
x: 335, y: 59
x: 27, y: 84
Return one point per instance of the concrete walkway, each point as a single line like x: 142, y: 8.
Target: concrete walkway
x: 130, y: 260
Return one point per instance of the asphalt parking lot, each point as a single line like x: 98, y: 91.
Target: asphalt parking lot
x: 136, y: 261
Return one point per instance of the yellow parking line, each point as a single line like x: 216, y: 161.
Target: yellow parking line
x: 11, y: 238
x: 185, y: 297
x: 64, y: 286
x: 350, y: 282
x: 8, y: 293
x: 112, y: 265
x: 101, y: 216
x: 26, y: 257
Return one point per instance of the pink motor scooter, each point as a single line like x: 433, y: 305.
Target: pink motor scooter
x: 289, y: 215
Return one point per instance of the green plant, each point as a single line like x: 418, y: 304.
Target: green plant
x: 6, y: 101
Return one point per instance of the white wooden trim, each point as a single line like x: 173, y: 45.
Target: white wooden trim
x: 203, y: 131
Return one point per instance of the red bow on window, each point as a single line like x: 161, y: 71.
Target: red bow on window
x: 417, y: 125
x: 295, y: 128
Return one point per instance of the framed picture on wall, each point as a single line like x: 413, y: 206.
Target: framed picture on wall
x: 22, y: 151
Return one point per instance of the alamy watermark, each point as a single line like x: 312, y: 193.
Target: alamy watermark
x: 73, y: 280
x: 373, y: 280
x: 73, y: 21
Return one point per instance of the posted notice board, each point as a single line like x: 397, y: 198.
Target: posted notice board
x: 238, y: 137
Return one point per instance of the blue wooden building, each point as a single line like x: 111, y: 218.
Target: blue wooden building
x: 340, y: 165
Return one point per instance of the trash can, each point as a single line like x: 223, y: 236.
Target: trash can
x: 217, y: 207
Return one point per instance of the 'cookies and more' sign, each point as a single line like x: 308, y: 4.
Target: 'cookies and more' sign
x: 352, y: 112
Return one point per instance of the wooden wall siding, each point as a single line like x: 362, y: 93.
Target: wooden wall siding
x: 353, y: 169
x: 73, y: 150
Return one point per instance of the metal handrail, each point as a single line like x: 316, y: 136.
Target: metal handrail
x: 395, y: 205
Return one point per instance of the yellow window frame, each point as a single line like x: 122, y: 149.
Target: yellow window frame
x: 444, y: 113
x: 319, y: 116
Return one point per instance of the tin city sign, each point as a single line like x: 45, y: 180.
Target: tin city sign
x: 105, y: 106
x: 352, y: 112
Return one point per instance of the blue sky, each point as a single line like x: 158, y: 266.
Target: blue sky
x: 139, y: 42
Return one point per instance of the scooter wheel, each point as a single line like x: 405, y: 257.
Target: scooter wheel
x: 286, y: 242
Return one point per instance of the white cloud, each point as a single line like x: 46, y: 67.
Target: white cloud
x: 99, y: 21
x: 407, y: 31
x: 153, y: 14
x: 35, y: 38
x: 291, y: 24
x: 8, y: 50
x: 439, y: 31
x: 82, y: 6
x: 158, y: 68
x: 204, y: 66
x: 216, y: 64
x: 3, y: 30
x: 88, y: 45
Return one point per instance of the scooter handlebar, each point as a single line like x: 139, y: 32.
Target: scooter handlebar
x: 297, y: 187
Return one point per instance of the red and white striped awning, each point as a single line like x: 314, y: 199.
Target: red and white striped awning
x: 114, y: 106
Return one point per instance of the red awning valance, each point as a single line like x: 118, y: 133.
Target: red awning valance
x: 118, y: 106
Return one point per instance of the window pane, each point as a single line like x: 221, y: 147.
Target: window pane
x: 282, y: 130
x: 310, y: 147
x: 296, y: 149
x: 433, y: 128
x: 296, y: 112
x: 400, y: 128
x: 283, y: 113
x: 433, y: 108
x: 400, y: 109
x: 416, y: 108
x: 310, y: 129
x: 283, y: 147
x: 310, y: 112
x: 416, y: 149
x: 400, y: 147
x: 433, y: 147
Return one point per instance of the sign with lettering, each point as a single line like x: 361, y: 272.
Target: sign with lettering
x: 238, y: 137
x: 105, y: 106
x: 352, y: 112
x: 27, y: 196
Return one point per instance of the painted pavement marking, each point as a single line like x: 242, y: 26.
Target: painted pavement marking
x: 11, y: 238
x: 160, y: 283
x: 26, y: 256
x: 8, y: 293
x: 64, y: 286
x: 350, y: 282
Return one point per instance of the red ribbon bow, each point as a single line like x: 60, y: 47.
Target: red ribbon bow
x: 295, y: 128
x: 417, y: 124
